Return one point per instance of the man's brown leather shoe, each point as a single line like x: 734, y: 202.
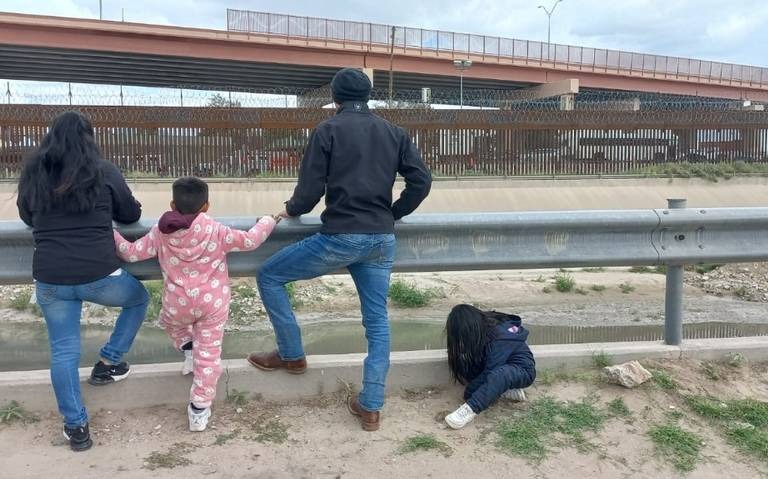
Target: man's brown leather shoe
x: 369, y: 420
x: 271, y: 361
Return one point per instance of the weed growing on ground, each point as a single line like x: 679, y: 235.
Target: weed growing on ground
x: 564, y: 282
x: 626, y: 288
x: 662, y: 379
x: 237, y: 398
x: 678, y: 446
x: 14, y: 412
x: 743, y: 422
x: 530, y: 435
x: 175, y: 457
x: 290, y: 288
x: 599, y: 288
x: 408, y: 295
x: 425, y: 442
x: 705, y: 268
x: 271, y: 431
x: 20, y: 302
x: 741, y: 292
x: 546, y: 290
x: 222, y: 439
x: 581, y: 291
x: 711, y: 371
x: 619, y: 408
x: 641, y: 269
x: 155, y: 290
x: 593, y: 270
x: 736, y: 360
x: 602, y: 359
x: 540, y: 279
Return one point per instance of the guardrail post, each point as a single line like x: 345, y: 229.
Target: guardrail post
x: 673, y: 302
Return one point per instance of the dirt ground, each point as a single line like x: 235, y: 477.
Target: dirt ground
x: 599, y: 297
x: 319, y: 439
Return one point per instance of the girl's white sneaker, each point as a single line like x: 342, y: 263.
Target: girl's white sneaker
x: 198, y: 421
x: 460, y: 417
x: 189, y: 363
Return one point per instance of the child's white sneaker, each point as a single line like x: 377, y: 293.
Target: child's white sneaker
x: 517, y: 395
x: 189, y: 363
x: 460, y: 417
x: 198, y: 421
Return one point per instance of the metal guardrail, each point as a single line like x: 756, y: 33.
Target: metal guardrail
x: 531, y: 52
x: 525, y: 240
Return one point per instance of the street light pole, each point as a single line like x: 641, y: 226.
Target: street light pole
x: 461, y: 66
x: 549, y: 13
x: 101, y: 17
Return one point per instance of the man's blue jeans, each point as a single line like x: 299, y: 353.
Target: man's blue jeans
x: 369, y: 258
x: 61, y: 306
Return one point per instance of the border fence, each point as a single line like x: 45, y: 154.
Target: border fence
x: 269, y: 142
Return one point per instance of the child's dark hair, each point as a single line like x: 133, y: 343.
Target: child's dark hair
x: 467, y: 331
x: 189, y: 194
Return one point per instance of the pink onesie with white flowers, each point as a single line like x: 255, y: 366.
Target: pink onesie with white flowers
x: 196, y: 287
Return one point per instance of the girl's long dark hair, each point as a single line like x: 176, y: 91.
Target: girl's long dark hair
x: 64, y: 169
x: 467, y: 331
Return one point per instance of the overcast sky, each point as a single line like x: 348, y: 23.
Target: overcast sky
x: 728, y: 31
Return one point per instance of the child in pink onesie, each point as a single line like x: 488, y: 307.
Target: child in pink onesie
x: 191, y: 248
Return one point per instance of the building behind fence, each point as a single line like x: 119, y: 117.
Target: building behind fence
x: 269, y: 142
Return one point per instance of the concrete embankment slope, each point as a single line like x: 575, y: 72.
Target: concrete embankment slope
x: 251, y: 198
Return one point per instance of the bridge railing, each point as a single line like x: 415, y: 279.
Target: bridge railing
x: 490, y: 47
x: 488, y: 241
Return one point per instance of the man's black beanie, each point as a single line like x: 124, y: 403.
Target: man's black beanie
x: 350, y: 84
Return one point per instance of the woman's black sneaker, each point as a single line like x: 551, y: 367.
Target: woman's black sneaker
x: 79, y: 437
x: 108, y: 373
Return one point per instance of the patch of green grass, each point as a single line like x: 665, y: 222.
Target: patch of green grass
x: 680, y: 447
x: 641, y: 269
x: 20, y: 301
x: 711, y: 171
x: 705, y: 268
x: 222, y: 439
x: 425, y: 442
x: 14, y: 412
x: 736, y: 360
x: 747, y: 410
x: 599, y: 269
x: 564, y: 282
x: 238, y: 398
x: 549, y: 377
x: 711, y: 371
x: 662, y: 379
x: 540, y: 279
x: 581, y: 291
x: 546, y: 290
x: 602, y: 359
x: 531, y: 435
x: 744, y: 422
x: 408, y: 295
x: 660, y: 269
x: 176, y: 456
x: 619, y: 408
x: 155, y: 290
x: 597, y: 288
x: 271, y: 431
x: 626, y: 288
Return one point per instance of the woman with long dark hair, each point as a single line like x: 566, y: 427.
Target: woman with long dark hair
x: 70, y: 196
x: 488, y: 353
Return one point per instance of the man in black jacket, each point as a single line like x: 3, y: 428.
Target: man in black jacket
x: 352, y: 159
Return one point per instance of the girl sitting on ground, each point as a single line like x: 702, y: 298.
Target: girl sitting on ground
x: 488, y: 353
